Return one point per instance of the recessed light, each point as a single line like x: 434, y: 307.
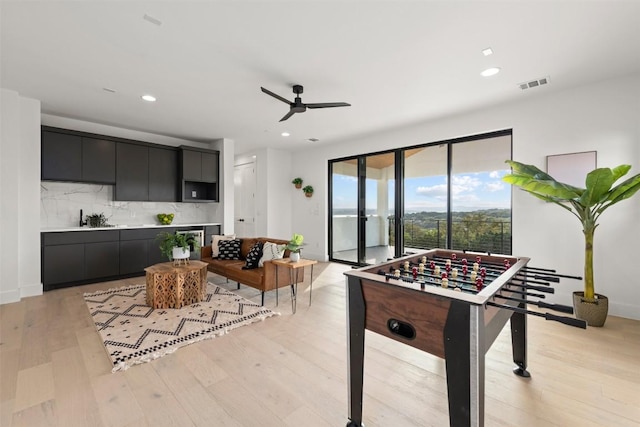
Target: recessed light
x: 488, y: 51
x: 149, y: 98
x: 285, y: 134
x: 490, y: 72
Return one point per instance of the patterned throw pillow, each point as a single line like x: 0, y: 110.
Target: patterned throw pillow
x: 229, y: 249
x: 253, y: 257
x: 271, y: 251
x: 214, y: 243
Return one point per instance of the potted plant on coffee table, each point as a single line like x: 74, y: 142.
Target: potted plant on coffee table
x: 294, y: 247
x: 586, y: 204
x: 177, y: 246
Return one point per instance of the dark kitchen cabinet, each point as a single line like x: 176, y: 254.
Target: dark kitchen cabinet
x: 98, y: 161
x: 132, y: 172
x: 101, y: 260
x: 63, y: 263
x: 199, y: 170
x: 61, y: 157
x: 163, y: 175
x: 155, y: 256
x: 134, y: 256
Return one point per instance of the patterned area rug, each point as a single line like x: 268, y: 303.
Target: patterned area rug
x: 133, y: 332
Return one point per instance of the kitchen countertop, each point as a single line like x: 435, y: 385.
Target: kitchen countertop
x: 123, y: 227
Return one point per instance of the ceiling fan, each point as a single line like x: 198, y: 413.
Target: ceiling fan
x: 298, y: 106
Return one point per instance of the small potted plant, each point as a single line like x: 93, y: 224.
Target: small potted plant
x: 294, y: 247
x: 97, y: 220
x: 586, y: 204
x: 308, y: 191
x: 177, y: 246
x: 297, y: 182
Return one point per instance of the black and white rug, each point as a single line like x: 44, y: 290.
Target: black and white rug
x: 133, y: 332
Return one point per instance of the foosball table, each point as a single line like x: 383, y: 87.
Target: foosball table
x: 452, y: 304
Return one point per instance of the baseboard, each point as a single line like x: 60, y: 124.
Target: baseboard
x: 31, y: 290
x: 627, y: 311
x: 7, y: 297
x: 317, y: 257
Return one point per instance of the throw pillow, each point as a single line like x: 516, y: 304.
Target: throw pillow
x: 214, y: 243
x: 271, y: 251
x: 253, y: 256
x: 229, y: 249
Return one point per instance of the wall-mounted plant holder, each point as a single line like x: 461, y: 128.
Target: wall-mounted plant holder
x: 308, y: 191
x: 297, y: 182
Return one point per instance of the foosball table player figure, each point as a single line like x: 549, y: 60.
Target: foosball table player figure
x: 452, y: 304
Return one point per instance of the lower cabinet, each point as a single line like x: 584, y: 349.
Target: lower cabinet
x: 78, y: 257
x: 62, y: 263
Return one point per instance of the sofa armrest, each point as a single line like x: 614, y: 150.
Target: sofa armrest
x: 205, y: 252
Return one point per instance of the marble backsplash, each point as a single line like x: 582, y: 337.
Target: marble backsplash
x: 60, y: 204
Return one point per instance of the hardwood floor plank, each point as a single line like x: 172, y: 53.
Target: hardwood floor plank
x: 34, y: 386
x: 41, y: 415
x: 116, y: 403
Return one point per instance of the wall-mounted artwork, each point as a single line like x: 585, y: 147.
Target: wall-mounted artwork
x: 571, y: 168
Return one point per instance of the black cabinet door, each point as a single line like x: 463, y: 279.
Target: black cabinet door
x: 98, y: 161
x: 63, y: 263
x: 61, y: 157
x: 101, y: 259
x: 155, y: 256
x: 134, y: 256
x: 209, y: 167
x: 132, y: 172
x: 163, y: 175
x: 191, y: 165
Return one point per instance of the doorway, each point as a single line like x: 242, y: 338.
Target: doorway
x: 244, y: 184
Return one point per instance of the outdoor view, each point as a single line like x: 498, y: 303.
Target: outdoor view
x: 480, y: 202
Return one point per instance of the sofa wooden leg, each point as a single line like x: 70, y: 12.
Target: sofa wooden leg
x: 262, y: 298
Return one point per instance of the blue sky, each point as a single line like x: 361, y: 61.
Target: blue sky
x: 470, y: 191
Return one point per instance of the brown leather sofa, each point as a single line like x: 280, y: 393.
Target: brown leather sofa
x: 261, y: 278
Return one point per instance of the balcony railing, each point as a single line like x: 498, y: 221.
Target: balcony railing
x: 485, y: 236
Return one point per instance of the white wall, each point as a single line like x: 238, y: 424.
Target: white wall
x: 274, y: 192
x: 19, y: 197
x: 604, y: 117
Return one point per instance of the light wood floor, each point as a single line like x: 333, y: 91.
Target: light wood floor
x: 291, y: 370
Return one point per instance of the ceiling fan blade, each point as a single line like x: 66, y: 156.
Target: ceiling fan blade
x: 276, y: 96
x: 328, y: 105
x: 289, y: 114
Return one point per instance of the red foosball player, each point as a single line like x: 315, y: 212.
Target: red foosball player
x: 507, y: 264
x: 454, y: 256
x: 414, y: 270
x: 432, y: 265
x: 483, y: 272
x: 464, y: 261
x: 478, y: 259
x: 479, y: 284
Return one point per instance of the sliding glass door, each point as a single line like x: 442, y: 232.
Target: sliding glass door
x: 442, y: 195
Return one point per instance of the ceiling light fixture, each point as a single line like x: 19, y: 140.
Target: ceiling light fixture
x: 149, y: 98
x: 285, y: 134
x: 490, y: 72
x: 488, y: 51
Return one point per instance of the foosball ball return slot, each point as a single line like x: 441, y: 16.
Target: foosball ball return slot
x: 451, y: 304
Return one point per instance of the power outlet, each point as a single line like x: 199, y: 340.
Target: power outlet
x: 194, y: 194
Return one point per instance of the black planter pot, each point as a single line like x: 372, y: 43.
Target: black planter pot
x: 593, y: 312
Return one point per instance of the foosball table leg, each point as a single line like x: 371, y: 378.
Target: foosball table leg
x: 519, y: 343
x: 355, y: 351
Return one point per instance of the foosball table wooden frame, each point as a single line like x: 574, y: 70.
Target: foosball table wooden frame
x: 459, y: 325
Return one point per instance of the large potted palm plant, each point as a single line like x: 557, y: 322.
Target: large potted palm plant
x: 586, y: 204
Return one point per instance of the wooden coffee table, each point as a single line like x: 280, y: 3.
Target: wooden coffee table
x: 170, y: 286
x: 293, y: 276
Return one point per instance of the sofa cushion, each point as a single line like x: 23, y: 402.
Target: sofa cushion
x: 271, y: 251
x: 253, y: 257
x: 247, y: 244
x: 215, y: 239
x: 229, y: 249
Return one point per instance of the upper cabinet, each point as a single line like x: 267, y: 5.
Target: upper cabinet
x: 146, y: 173
x: 198, y: 175
x: 72, y: 157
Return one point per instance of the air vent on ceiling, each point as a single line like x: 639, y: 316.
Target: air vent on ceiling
x: 151, y: 19
x: 313, y: 139
x: 534, y: 83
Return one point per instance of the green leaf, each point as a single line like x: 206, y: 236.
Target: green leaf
x: 598, y: 181
x: 622, y: 191
x: 552, y: 188
x: 528, y: 170
x: 620, y: 171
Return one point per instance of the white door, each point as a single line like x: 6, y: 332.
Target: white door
x: 244, y: 179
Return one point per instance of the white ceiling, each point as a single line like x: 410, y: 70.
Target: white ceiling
x: 397, y: 62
